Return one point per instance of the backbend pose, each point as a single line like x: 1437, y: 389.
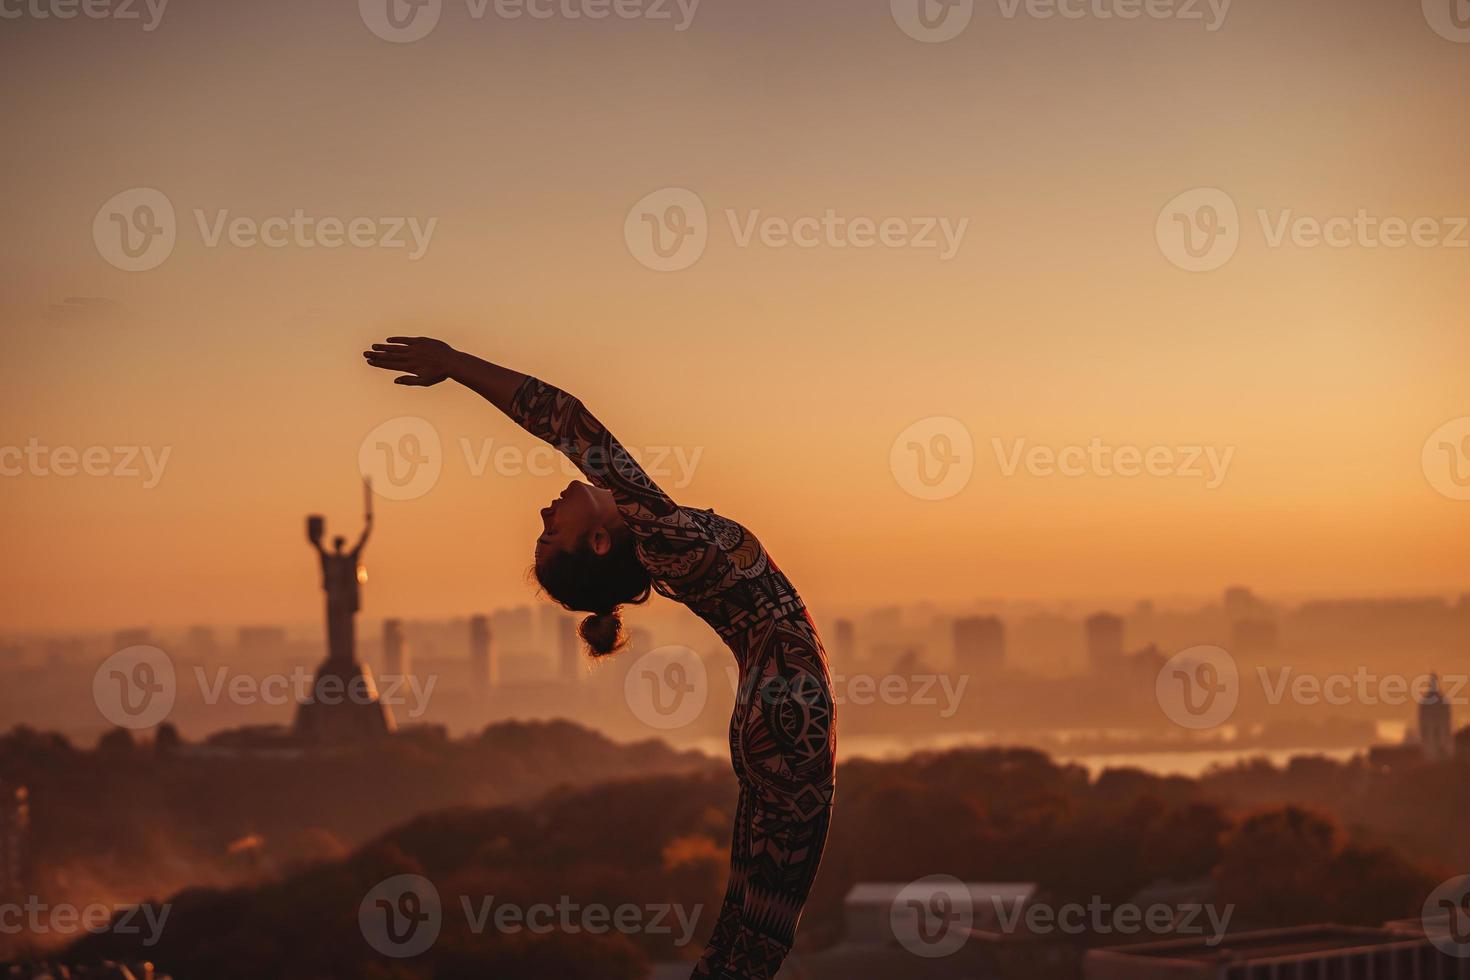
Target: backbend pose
x: 611, y: 543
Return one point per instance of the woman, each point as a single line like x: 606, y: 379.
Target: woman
x: 607, y: 545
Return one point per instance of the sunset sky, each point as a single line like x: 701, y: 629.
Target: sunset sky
x: 790, y: 370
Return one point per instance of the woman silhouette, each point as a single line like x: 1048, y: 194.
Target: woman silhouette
x: 611, y: 542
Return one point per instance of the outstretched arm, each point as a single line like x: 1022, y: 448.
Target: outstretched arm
x: 425, y: 362
x: 548, y: 413
x: 669, y: 537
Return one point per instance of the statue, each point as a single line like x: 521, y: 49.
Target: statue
x: 342, y: 577
x: 344, y: 706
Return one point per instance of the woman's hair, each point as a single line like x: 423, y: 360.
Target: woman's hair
x: 584, y: 581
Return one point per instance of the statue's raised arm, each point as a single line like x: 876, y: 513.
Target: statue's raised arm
x: 367, y: 518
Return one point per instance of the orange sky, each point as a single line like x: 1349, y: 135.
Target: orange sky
x: 792, y: 370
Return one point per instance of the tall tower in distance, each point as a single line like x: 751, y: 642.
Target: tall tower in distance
x: 568, y: 648
x: 1436, y: 724
x: 395, y: 651
x: 1104, y: 642
x: 482, y: 660
x: 979, y: 643
x: 846, y: 645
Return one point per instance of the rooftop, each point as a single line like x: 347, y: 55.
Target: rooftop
x: 1266, y: 945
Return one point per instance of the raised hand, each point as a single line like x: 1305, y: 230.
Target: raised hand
x: 423, y: 361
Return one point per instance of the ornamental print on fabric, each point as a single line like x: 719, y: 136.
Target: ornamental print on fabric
x: 782, y: 733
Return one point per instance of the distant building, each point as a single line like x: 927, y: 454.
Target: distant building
x: 870, y: 909
x: 260, y: 741
x: 979, y: 643
x: 845, y: 642
x: 896, y: 658
x: 558, y: 639
x: 138, y: 637
x: 1143, y: 619
x: 1241, y: 603
x: 1254, y: 638
x: 1436, y: 727
x: 1395, y: 758
x: 568, y: 647
x: 966, y: 931
x: 513, y: 632
x: 483, y: 669
x: 60, y: 653
x: 395, y: 649
x: 1104, y: 641
x: 261, y: 642
x: 1323, y: 951
x: 200, y: 643
x: 1148, y: 662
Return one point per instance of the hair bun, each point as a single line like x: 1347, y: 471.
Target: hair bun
x: 603, y: 633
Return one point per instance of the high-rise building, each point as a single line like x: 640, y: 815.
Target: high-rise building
x: 1242, y: 603
x: 1104, y: 642
x: 1436, y: 724
x: 258, y: 643
x: 395, y: 650
x: 845, y: 646
x: 137, y: 637
x: 483, y: 669
x: 979, y: 643
x: 61, y: 653
x: 513, y: 632
x: 568, y: 648
x: 1253, y: 638
x: 199, y: 642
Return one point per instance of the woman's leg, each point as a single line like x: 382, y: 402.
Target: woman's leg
x: 727, y: 926
x: 784, y: 851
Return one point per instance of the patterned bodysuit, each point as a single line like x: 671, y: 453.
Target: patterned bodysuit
x: 782, y: 739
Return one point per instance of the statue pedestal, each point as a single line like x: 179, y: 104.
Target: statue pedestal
x: 343, y: 707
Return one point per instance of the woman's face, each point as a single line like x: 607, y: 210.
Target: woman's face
x: 581, y: 514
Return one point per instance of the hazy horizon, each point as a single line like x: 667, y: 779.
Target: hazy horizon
x: 789, y: 372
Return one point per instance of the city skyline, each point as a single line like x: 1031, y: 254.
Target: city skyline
x: 1321, y: 373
